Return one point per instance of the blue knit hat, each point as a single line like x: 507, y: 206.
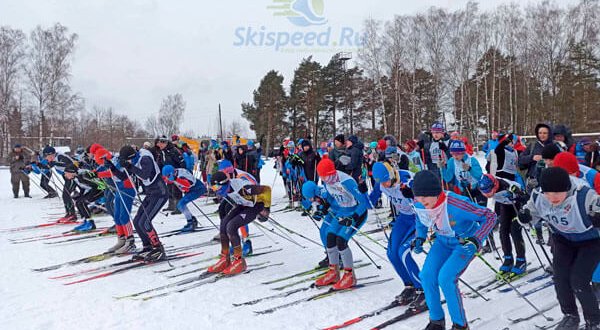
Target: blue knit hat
x: 426, y: 183
x: 380, y: 172
x: 437, y: 127
x: 457, y: 146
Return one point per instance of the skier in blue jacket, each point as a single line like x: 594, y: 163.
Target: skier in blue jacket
x: 394, y: 184
x: 463, y: 171
x: 460, y: 228
x: 345, y: 210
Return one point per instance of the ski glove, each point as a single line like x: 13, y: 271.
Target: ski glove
x: 470, y: 243
x: 524, y: 216
x: 263, y: 216
x: 417, y: 245
x: 318, y: 215
x: 346, y: 221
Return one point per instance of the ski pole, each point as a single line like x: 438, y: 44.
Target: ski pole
x: 277, y: 234
x: 362, y: 233
x: 379, y: 222
x: 528, y: 238
x: 288, y: 238
x: 468, y: 285
x: 30, y: 180
x: 293, y: 232
x: 205, y: 215
x: 365, y: 253
x: 538, y: 311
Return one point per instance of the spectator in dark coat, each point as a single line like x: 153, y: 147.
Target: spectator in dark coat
x: 533, y: 154
x: 311, y: 159
x: 168, y: 154
x: 354, y: 149
x: 245, y: 161
x: 18, y: 159
x: 339, y: 155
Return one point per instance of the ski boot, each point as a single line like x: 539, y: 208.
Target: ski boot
x: 87, y: 225
x: 459, y: 327
x: 67, y: 219
x: 27, y: 195
x: 156, y: 254
x: 506, y: 268
x: 128, y: 247
x: 568, y: 322
x: 16, y: 195
x: 191, y: 226
x: 221, y: 265
x: 348, y: 280
x: 406, y: 296
x: 120, y: 243
x: 436, y: 325
x: 324, y: 263
x: 418, y: 303
x: 247, y: 248
x: 519, y: 269
x: 51, y: 195
x: 176, y: 212
x: 238, y: 264
x: 139, y: 255
x: 331, y: 277
x: 110, y: 230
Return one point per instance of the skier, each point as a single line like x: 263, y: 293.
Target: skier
x: 226, y: 205
x: 434, y: 148
x: 90, y: 189
x: 509, y: 196
x: 463, y: 172
x: 460, y: 228
x: 394, y: 184
x: 573, y: 213
x: 347, y: 212
x: 250, y: 201
x: 45, y: 175
x: 123, y: 201
x: 142, y: 164
x: 188, y: 184
x: 59, y: 161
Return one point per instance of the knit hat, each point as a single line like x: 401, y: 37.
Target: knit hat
x: 340, y: 137
x: 412, y: 145
x: 219, y: 178
x: 127, y: 152
x: 291, y: 144
x: 250, y: 143
x: 17, y: 146
x: 48, y: 150
x: 326, y: 167
x: 305, y: 143
x: 174, y: 137
x: 70, y: 168
x: 168, y: 171
x: 426, y: 183
x: 457, y: 146
x: 585, y: 141
x: 567, y: 161
x: 225, y: 166
x: 488, y: 184
x: 373, y: 145
x: 555, y: 179
x: 437, y: 127
x: 390, y: 152
x: 380, y: 172
x: 550, y: 151
x: 381, y: 145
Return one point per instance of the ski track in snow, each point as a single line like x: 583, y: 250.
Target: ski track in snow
x: 32, y: 301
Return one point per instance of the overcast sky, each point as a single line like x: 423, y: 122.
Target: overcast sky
x: 131, y: 54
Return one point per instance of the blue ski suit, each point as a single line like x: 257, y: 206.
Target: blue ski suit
x: 453, y: 219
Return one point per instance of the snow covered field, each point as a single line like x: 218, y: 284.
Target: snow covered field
x: 30, y: 300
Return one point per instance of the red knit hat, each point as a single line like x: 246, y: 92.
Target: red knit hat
x: 326, y: 167
x: 381, y: 145
x: 567, y: 161
x: 94, y: 147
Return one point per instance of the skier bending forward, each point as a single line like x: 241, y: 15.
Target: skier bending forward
x: 460, y: 228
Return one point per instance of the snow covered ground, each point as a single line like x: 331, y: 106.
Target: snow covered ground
x: 30, y: 300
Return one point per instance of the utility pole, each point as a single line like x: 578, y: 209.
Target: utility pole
x: 220, y: 123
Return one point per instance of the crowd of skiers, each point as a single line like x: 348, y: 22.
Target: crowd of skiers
x: 436, y: 190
